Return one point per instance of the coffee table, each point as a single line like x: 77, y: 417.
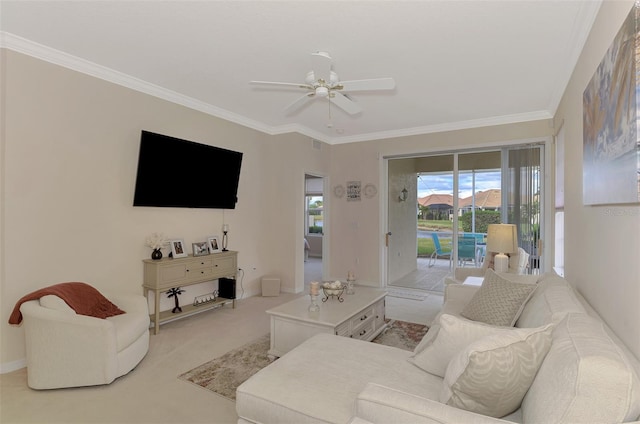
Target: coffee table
x: 360, y: 316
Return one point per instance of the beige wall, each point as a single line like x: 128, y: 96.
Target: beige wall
x: 70, y: 145
x: 602, y: 243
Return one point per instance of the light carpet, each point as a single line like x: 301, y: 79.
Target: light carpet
x: 224, y: 374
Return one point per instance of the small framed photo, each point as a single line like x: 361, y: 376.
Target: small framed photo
x: 201, y: 248
x: 214, y: 243
x: 177, y: 248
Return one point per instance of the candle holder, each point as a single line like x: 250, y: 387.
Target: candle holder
x: 314, y: 306
x: 350, y: 286
x: 225, y: 237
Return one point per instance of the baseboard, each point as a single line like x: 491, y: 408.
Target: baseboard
x: 7, y: 367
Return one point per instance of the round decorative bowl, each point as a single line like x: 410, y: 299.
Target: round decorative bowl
x: 331, y: 290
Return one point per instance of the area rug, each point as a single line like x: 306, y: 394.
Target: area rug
x: 224, y: 374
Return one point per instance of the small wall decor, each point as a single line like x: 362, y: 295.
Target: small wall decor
x: 611, y: 153
x: 177, y: 248
x: 201, y: 248
x: 338, y: 191
x: 354, y: 191
x: 370, y: 191
x: 214, y: 243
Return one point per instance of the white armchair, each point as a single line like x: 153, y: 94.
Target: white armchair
x: 69, y: 350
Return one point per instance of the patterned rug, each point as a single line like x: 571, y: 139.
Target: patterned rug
x: 224, y: 374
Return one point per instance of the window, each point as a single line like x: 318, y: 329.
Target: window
x: 313, y: 209
x: 314, y: 214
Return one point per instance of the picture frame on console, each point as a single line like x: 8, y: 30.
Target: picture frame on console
x: 214, y: 244
x: 177, y: 248
x: 200, y: 248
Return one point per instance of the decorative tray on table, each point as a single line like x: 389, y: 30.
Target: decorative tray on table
x: 333, y: 289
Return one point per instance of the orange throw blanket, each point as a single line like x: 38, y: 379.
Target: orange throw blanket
x: 81, y: 297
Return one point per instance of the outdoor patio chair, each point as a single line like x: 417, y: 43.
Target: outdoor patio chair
x: 466, y: 249
x: 438, y: 252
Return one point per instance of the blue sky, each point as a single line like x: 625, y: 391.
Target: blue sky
x: 443, y: 183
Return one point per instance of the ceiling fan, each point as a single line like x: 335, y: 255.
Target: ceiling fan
x: 323, y: 82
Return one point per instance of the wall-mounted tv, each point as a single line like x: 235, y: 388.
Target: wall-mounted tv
x: 183, y: 174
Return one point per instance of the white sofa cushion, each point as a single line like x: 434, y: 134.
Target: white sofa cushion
x: 323, y: 376
x: 552, y: 300
x: 383, y: 405
x: 492, y: 375
x: 454, y: 335
x: 498, y: 301
x: 585, y: 377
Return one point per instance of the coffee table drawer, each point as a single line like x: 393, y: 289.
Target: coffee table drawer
x: 362, y: 317
x: 364, y: 332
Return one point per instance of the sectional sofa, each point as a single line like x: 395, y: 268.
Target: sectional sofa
x: 549, y: 359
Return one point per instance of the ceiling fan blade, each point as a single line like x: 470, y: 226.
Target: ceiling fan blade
x: 321, y: 65
x: 344, y: 103
x: 298, y: 103
x: 283, y: 84
x: 367, y: 84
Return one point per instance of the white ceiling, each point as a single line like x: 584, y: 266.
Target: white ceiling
x: 457, y: 64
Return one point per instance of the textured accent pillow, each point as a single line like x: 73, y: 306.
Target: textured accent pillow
x: 454, y: 335
x: 498, y: 301
x: 492, y: 375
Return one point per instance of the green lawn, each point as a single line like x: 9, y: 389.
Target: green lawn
x: 425, y: 245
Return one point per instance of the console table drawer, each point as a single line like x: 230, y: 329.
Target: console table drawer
x: 225, y: 265
x: 201, y: 263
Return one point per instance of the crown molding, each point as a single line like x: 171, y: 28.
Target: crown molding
x: 451, y: 126
x: 587, y: 14
x: 57, y: 57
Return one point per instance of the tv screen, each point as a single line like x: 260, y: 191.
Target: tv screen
x: 183, y: 174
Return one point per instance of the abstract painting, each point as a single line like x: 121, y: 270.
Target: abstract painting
x: 611, y: 155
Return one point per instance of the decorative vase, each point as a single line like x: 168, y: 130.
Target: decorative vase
x: 156, y: 254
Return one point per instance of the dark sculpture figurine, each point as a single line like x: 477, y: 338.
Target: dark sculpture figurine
x: 174, y: 292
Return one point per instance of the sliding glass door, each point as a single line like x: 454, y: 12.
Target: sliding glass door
x: 430, y: 228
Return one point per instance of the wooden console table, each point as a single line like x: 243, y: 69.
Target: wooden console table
x: 164, y: 274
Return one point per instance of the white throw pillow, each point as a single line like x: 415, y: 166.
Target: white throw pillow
x: 454, y: 335
x: 492, y: 375
x: 498, y: 301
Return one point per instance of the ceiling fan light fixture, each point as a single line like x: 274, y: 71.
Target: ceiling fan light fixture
x: 322, y: 91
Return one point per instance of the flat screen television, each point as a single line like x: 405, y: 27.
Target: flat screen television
x: 183, y: 174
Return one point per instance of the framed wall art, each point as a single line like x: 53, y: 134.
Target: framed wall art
x: 177, y: 248
x: 611, y: 149
x: 354, y: 191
